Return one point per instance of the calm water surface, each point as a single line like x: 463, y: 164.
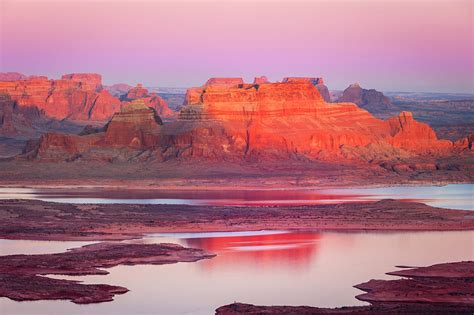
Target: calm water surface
x: 458, y: 196
x: 262, y: 267
x: 279, y: 267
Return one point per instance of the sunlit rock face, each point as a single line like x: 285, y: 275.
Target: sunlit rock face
x: 136, y: 127
x: 74, y: 96
x: 317, y: 82
x: 260, y: 80
x: 411, y: 135
x: 77, y: 96
x: 92, y: 81
x: 150, y: 100
x: 292, y: 118
x: 226, y: 119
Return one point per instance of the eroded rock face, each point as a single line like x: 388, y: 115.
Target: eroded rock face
x: 18, y: 121
x: 137, y: 92
x: 370, y: 100
x: 292, y: 118
x: 317, y: 82
x: 151, y: 100
x: 411, y: 135
x: 91, y: 81
x: 224, y: 82
x: 261, y: 80
x: 12, y: 76
x: 225, y: 119
x: 119, y: 89
x: 135, y: 127
x: 75, y: 96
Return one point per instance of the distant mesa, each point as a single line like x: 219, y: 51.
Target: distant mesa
x: 261, y: 80
x: 371, y: 100
x: 119, y: 89
x: 137, y: 92
x: 224, y: 82
x: 12, y: 76
x: 151, y: 100
x: 92, y: 81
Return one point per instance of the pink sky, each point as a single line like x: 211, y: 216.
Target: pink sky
x: 399, y: 45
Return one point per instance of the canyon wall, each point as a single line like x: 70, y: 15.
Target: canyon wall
x: 76, y: 96
x: 231, y: 120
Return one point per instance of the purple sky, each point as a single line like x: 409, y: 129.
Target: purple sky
x: 398, y: 45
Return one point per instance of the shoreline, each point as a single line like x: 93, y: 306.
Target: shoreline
x: 39, y: 220
x: 445, y: 288
x: 126, y: 185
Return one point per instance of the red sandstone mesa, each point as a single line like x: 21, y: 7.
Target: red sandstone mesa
x: 260, y: 80
x: 317, y: 82
x: 76, y: 96
x: 12, y: 76
x: 151, y: 100
x: 226, y: 119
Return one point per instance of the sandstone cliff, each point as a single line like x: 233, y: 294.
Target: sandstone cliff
x: 317, y: 82
x: 75, y: 96
x: 12, y: 76
x: 151, y: 100
x: 231, y: 120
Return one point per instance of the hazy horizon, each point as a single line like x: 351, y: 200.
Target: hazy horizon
x: 416, y: 46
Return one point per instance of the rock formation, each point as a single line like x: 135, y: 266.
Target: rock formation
x: 260, y: 80
x: 92, y: 81
x: 75, y: 96
x: 18, y: 122
x: 371, y: 100
x: 150, y: 100
x: 409, y: 134
x: 137, y: 92
x: 224, y: 81
x: 317, y: 82
x: 12, y: 76
x: 227, y: 119
x: 119, y: 89
x: 135, y: 127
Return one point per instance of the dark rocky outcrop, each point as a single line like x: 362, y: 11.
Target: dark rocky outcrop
x: 371, y: 100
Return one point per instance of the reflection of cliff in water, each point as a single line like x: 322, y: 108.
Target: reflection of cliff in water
x: 261, y: 251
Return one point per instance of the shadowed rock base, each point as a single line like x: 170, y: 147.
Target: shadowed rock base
x: 407, y: 309
x: 21, y: 276
x: 439, y: 289
x: 30, y: 219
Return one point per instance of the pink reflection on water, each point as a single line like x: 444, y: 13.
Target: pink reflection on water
x: 259, y: 251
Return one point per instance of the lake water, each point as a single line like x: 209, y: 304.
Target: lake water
x: 458, y: 196
x: 258, y: 267
x: 265, y: 267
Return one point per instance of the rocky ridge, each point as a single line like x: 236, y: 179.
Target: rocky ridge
x: 371, y: 100
x: 227, y: 119
x: 75, y: 97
